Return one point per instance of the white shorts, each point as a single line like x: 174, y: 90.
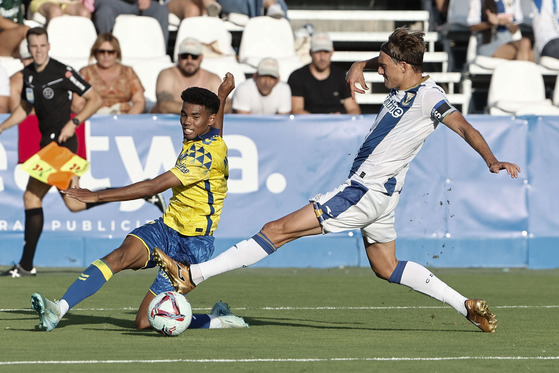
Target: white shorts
x: 353, y: 206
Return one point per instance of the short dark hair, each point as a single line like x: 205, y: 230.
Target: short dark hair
x: 202, y: 97
x: 37, y: 31
x: 405, y: 45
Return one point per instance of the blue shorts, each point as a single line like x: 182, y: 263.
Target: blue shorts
x: 185, y: 249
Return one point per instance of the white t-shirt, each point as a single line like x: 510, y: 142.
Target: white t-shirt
x: 545, y: 23
x: 4, y: 82
x: 247, y: 98
x: 400, y: 129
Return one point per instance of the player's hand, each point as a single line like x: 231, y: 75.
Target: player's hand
x: 67, y: 131
x: 355, y: 76
x: 84, y: 195
x: 512, y: 169
x: 226, y: 86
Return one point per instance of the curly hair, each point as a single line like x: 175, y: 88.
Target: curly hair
x: 202, y: 97
x: 405, y: 45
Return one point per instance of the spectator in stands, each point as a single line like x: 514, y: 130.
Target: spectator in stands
x: 264, y: 93
x: 193, y: 8
x: 546, y: 27
x: 118, y: 84
x: 4, y: 90
x: 56, y: 8
x: 239, y: 11
x: 496, y: 22
x: 12, y: 29
x: 186, y: 73
x: 16, y: 80
x: 320, y: 87
x: 106, y: 12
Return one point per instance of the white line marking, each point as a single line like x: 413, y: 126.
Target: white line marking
x: 298, y: 360
x: 296, y: 308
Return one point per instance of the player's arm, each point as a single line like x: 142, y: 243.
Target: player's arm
x: 134, y: 191
x: 223, y: 92
x: 456, y: 122
x: 355, y: 75
x: 18, y: 115
x: 93, y: 102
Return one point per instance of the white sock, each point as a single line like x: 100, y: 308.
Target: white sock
x: 243, y: 254
x: 422, y: 280
x: 64, y: 307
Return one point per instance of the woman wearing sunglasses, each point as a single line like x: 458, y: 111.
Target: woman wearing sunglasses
x: 118, y: 84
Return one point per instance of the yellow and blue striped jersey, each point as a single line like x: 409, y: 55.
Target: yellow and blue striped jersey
x: 195, y: 208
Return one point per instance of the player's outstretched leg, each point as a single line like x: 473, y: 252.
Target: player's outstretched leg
x: 480, y: 316
x: 49, y: 312
x: 178, y: 273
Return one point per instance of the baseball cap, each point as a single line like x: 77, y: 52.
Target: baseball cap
x: 320, y: 41
x: 268, y: 66
x: 190, y: 45
x: 23, y: 50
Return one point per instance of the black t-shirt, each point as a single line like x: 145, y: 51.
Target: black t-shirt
x: 50, y: 93
x: 321, y: 96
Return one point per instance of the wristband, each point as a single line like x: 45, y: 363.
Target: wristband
x: 76, y: 121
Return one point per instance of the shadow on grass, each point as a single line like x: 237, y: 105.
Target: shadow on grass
x: 128, y: 327
x: 303, y: 323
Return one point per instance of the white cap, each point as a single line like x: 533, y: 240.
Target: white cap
x: 268, y: 66
x: 191, y: 46
x: 321, y: 41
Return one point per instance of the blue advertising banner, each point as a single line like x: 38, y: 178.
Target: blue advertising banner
x: 453, y: 211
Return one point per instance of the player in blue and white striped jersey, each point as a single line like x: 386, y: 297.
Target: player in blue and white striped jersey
x: 368, y: 198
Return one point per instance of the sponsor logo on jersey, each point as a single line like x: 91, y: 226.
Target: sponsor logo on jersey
x: 392, y: 106
x: 48, y: 93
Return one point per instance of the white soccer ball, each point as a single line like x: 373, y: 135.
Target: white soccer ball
x: 170, y: 313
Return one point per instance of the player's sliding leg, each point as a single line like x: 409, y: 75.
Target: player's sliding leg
x: 220, y: 317
x: 382, y: 258
x: 185, y: 277
x: 87, y: 284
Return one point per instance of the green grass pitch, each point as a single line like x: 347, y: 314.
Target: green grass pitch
x: 301, y: 320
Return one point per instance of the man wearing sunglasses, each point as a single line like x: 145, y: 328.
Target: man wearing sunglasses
x: 186, y: 73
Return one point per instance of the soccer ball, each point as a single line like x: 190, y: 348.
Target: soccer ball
x: 169, y: 313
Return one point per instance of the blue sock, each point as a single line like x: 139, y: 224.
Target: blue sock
x: 88, y: 283
x: 200, y: 322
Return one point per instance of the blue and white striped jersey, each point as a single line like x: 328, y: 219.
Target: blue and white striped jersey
x: 400, y: 129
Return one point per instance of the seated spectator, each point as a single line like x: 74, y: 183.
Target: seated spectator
x: 320, y: 87
x: 496, y: 22
x: 106, y: 12
x: 12, y: 29
x: 239, y: 11
x: 264, y: 93
x: 4, y: 90
x: 56, y: 8
x: 193, y: 8
x: 546, y: 27
x: 16, y: 80
x: 119, y: 86
x: 186, y: 73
